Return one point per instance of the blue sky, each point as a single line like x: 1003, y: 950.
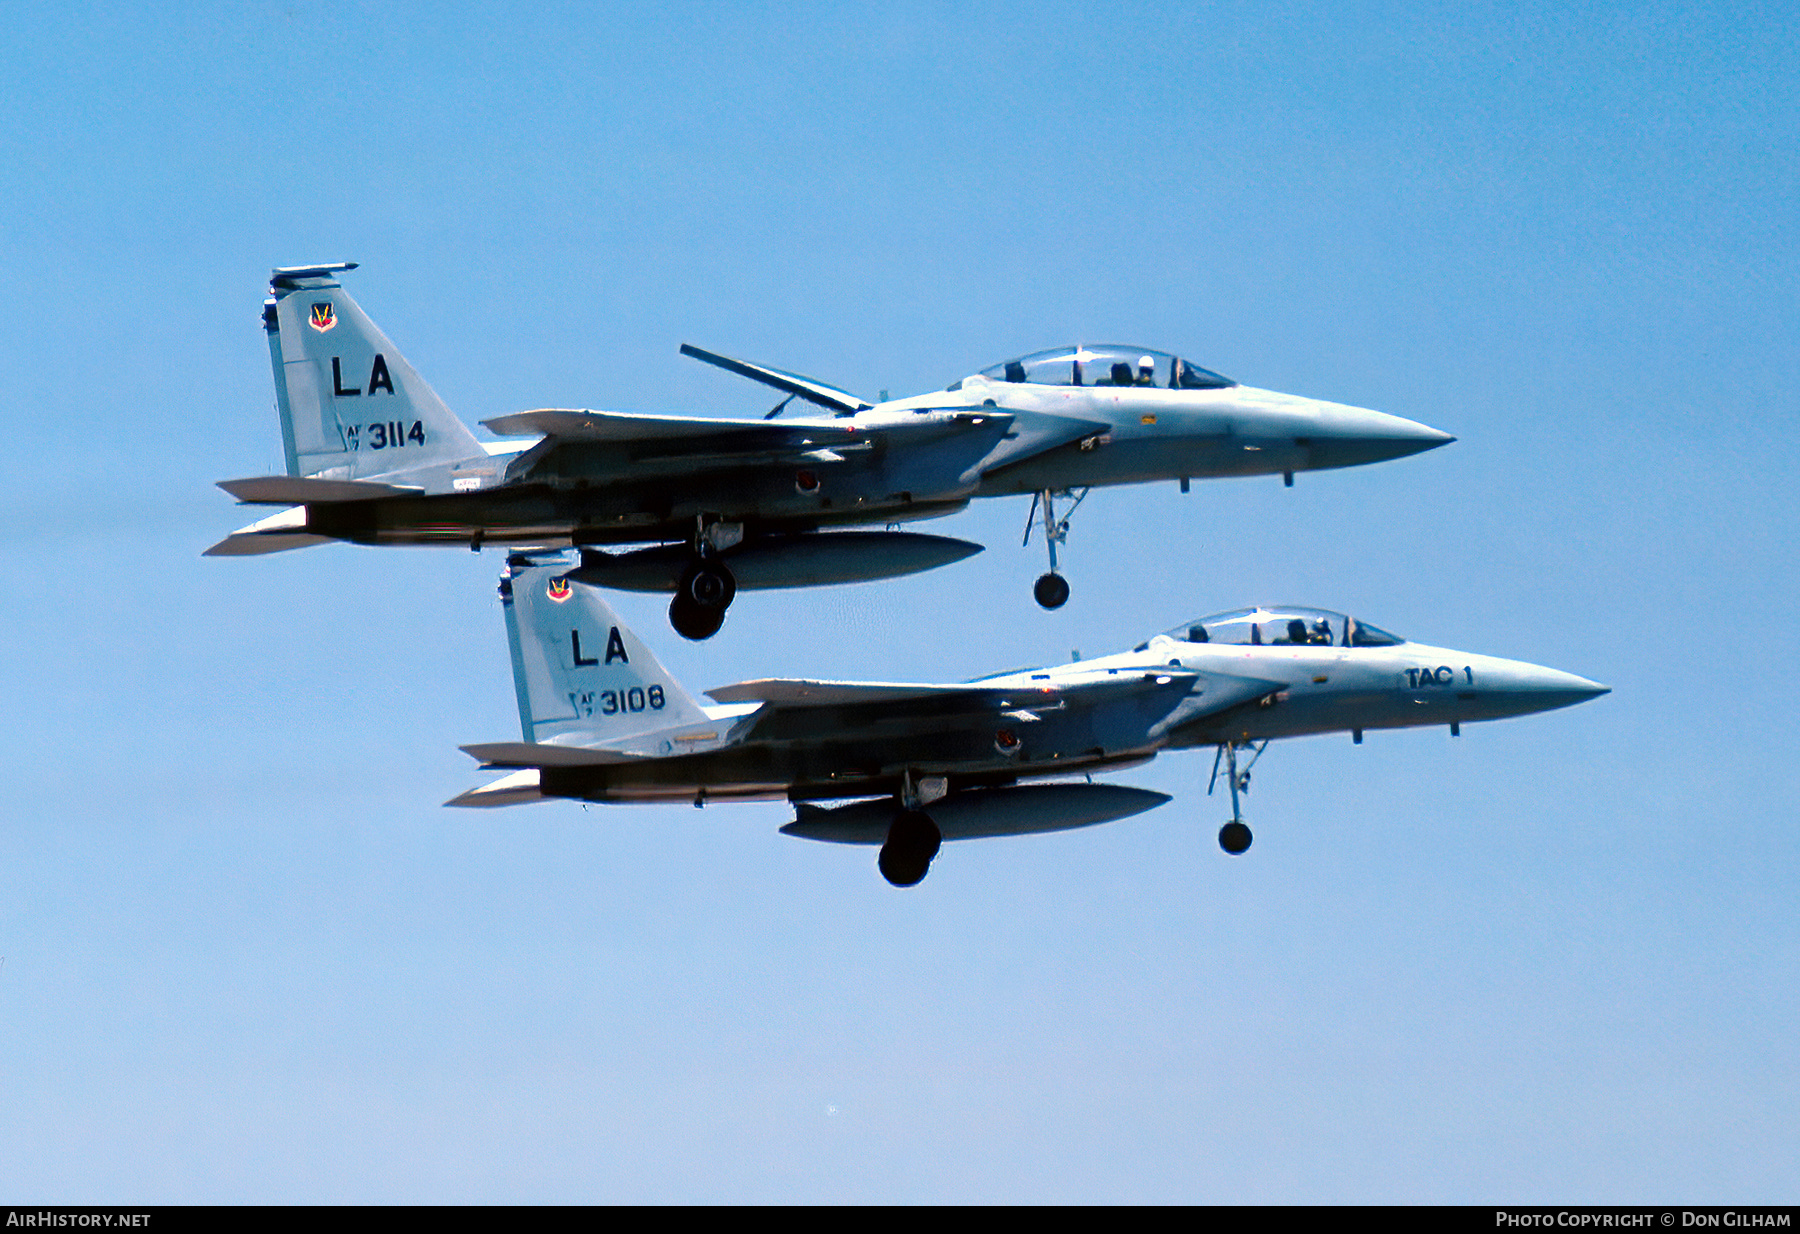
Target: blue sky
x: 248, y: 956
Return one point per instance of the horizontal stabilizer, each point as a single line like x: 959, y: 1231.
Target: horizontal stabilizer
x: 815, y: 392
x: 539, y: 754
x: 298, y: 490
x: 278, y: 532
x: 979, y: 813
x: 515, y: 789
x: 256, y: 543
x: 810, y: 560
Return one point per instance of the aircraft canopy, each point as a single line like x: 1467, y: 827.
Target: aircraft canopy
x: 1283, y: 627
x: 1107, y: 364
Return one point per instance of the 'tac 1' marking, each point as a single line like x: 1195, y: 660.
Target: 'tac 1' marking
x: 1442, y: 675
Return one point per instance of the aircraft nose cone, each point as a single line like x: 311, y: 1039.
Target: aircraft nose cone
x: 1351, y: 436
x: 1546, y: 689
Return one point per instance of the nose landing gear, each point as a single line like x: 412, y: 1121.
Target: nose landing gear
x: 1234, y: 836
x: 1051, y: 590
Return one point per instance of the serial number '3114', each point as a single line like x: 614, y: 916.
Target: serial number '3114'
x: 590, y: 703
x: 387, y: 434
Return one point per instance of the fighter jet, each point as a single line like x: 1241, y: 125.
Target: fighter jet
x: 375, y: 457
x: 915, y: 765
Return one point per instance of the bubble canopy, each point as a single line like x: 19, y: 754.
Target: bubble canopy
x: 1107, y: 364
x: 1282, y: 627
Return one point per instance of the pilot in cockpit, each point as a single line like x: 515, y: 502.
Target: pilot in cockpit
x: 1146, y: 374
x: 1299, y: 635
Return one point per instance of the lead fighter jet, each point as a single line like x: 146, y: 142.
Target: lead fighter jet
x: 375, y: 457
x: 919, y: 764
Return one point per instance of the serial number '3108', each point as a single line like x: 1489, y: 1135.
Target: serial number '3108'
x: 590, y: 703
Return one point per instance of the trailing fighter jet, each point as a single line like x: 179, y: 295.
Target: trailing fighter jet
x: 374, y: 457
x: 919, y: 764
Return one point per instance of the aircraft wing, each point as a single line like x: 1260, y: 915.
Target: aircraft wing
x: 793, y: 692
x: 298, y: 490
x: 680, y: 445
x: 629, y: 427
x: 815, y: 392
x: 801, y: 692
x: 1206, y: 693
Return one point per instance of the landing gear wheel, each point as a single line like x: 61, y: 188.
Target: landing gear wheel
x: 693, y: 622
x: 701, y: 598
x: 709, y: 585
x: 1051, y: 590
x: 912, y: 841
x: 1234, y: 838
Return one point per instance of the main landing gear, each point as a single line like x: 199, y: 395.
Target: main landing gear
x: 701, y: 598
x: 1052, y: 590
x: 912, y: 841
x: 707, y: 587
x: 1234, y: 836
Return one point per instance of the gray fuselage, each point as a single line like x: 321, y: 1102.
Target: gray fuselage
x: 1050, y: 725
x: 929, y: 459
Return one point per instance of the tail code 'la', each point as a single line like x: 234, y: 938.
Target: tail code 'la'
x: 579, y: 671
x: 351, y: 406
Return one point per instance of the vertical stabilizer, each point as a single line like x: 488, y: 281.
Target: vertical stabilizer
x: 351, y: 406
x: 579, y: 671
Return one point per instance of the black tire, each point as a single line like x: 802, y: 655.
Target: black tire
x: 1051, y: 590
x: 693, y: 622
x: 912, y: 841
x: 708, y: 585
x: 1234, y: 838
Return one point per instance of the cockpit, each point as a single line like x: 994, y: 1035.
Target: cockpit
x: 1283, y: 627
x: 1107, y: 364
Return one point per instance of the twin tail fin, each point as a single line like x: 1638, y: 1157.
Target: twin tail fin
x: 580, y: 673
x: 351, y: 406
